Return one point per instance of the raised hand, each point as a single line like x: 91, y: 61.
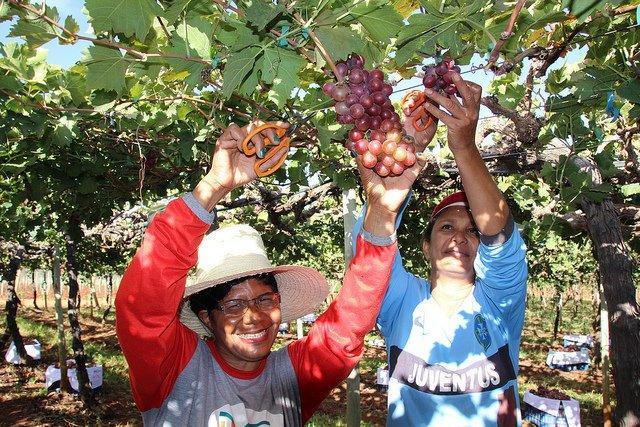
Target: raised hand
x: 461, y: 118
x: 421, y: 138
x: 388, y: 193
x: 230, y: 167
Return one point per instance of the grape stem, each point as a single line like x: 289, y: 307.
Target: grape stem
x: 320, y: 46
x: 506, y: 34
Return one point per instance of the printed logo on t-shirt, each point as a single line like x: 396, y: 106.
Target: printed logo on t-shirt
x: 491, y: 373
x: 482, y: 331
x: 239, y: 416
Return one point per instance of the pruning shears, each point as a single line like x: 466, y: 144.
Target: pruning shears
x: 278, y: 145
x: 422, y: 119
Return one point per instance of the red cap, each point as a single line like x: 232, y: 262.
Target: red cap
x: 456, y: 199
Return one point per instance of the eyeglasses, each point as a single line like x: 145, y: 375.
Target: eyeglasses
x: 237, y: 307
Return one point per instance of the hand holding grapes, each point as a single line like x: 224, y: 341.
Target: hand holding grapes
x: 461, y: 118
x: 388, y: 193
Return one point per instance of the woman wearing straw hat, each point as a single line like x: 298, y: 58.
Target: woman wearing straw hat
x: 236, y: 302
x: 453, y: 340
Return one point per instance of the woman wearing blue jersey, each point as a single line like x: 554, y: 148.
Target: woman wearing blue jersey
x: 453, y: 340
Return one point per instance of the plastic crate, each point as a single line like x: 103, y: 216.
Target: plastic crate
x: 544, y: 412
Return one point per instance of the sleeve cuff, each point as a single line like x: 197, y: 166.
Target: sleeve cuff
x: 502, y: 236
x: 378, y: 240
x: 204, y: 215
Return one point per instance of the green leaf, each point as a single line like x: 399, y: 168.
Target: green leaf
x: 269, y: 64
x: 106, y: 69
x: 582, y: 9
x: 130, y: 17
x: 449, y: 38
x: 420, y: 35
x: 287, y: 78
x: 419, y: 25
x: 630, y: 189
x: 236, y: 35
x: 64, y: 132
x: 340, y: 41
x: 405, y: 7
x: 35, y: 30
x: 9, y: 82
x: 70, y: 24
x: 382, y: 24
x: 77, y: 84
x: 175, y: 10
x: 259, y: 14
x: 186, y: 149
x: 249, y: 85
x: 193, y: 38
x: 630, y: 91
x: 238, y: 66
x: 5, y: 10
x: 406, y: 52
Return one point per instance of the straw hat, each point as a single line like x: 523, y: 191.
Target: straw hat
x: 237, y: 251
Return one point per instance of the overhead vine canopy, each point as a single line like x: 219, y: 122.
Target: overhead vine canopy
x: 138, y: 114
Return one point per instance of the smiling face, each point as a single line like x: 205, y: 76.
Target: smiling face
x: 245, y: 340
x: 453, y: 245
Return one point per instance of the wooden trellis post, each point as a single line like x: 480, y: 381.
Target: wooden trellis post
x: 353, y: 381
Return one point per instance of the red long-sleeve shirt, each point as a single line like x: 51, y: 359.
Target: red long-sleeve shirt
x: 159, y: 348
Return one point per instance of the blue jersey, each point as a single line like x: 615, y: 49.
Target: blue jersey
x: 457, y: 370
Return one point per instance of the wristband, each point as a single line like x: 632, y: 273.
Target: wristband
x: 378, y: 240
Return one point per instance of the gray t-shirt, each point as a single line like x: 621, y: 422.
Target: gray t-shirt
x: 205, y: 395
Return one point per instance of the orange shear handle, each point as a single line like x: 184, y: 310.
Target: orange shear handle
x: 273, y: 147
x: 422, y: 118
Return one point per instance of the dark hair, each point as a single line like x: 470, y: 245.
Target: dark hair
x: 208, y: 299
x: 426, y: 234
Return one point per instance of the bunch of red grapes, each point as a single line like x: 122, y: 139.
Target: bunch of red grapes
x: 363, y: 101
x: 439, y: 77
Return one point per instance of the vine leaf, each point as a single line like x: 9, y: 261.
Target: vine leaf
x: 191, y: 38
x: 287, y: 77
x: 238, y: 66
x: 269, y: 64
x: 36, y: 31
x: 630, y: 189
x: 405, y: 7
x: 236, y: 35
x: 71, y: 25
x: 630, y: 91
x: 64, y: 132
x: 582, y: 9
x: 174, y: 11
x: 76, y: 84
x: 130, y: 17
x: 4, y: 10
x: 106, y: 69
x: 382, y: 24
x: 260, y: 14
x: 413, y: 37
x: 340, y: 41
